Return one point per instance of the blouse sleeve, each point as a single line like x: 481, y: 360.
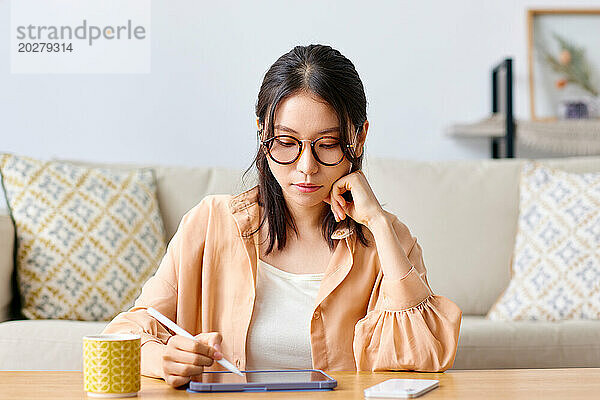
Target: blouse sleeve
x: 161, y: 290
x: 407, y: 327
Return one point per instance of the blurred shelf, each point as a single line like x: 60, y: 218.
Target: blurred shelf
x: 573, y: 136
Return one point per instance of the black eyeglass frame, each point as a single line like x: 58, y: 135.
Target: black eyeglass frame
x: 301, y: 142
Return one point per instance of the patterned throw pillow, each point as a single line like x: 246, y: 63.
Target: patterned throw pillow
x: 88, y: 238
x: 556, y: 260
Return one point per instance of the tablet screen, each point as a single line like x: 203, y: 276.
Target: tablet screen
x: 264, y: 377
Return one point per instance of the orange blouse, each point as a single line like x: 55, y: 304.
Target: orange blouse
x: 361, y: 320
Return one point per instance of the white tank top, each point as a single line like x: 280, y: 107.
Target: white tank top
x: 279, y: 333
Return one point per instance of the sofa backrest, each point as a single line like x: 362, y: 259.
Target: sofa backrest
x: 463, y: 213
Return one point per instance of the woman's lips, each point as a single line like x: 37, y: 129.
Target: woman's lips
x: 307, y: 189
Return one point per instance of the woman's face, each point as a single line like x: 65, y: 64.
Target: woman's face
x: 306, y: 116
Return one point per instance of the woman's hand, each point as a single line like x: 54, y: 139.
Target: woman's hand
x: 364, y: 207
x: 185, y: 358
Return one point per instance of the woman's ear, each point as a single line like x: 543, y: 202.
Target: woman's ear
x: 259, y: 133
x: 360, y: 140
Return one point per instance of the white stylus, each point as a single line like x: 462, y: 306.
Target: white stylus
x: 180, y: 331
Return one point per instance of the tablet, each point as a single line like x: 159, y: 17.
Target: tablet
x: 301, y: 379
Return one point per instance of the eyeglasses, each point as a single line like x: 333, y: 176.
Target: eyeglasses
x: 285, y: 149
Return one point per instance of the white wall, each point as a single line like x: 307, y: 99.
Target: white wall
x: 424, y: 64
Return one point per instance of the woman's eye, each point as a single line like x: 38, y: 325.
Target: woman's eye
x: 285, y: 143
x: 329, y: 145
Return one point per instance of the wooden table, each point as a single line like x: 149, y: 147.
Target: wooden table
x: 571, y: 383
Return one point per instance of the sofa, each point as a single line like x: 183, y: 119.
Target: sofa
x: 464, y: 214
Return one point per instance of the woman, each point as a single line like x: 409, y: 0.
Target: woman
x: 305, y: 270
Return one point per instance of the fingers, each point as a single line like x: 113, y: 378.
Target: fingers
x: 336, y: 208
x: 336, y: 212
x: 186, y: 357
x: 212, y: 339
x: 177, y: 373
x: 176, y: 381
x: 191, y: 345
x: 338, y: 202
x: 180, y: 369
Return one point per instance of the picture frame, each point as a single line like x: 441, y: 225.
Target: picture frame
x: 580, y: 28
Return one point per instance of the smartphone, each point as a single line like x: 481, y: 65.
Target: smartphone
x: 401, y: 388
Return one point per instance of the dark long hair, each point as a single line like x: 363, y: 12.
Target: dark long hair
x: 325, y: 72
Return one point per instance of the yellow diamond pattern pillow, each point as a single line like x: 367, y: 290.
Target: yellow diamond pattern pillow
x: 87, y: 238
x: 556, y: 260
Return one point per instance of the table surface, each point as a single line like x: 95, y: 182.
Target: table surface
x: 569, y: 383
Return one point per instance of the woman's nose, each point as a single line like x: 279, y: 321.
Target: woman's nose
x: 307, y: 163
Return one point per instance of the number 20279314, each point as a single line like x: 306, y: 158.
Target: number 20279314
x: 43, y: 47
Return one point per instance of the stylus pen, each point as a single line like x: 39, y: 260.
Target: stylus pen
x: 180, y: 331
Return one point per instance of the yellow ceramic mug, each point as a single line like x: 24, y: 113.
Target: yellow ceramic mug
x: 111, y: 365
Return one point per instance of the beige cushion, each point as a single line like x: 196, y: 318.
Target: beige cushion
x: 7, y: 236
x: 47, y: 345
x: 556, y: 264
x: 88, y: 238
x: 464, y: 214
x: 485, y: 344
